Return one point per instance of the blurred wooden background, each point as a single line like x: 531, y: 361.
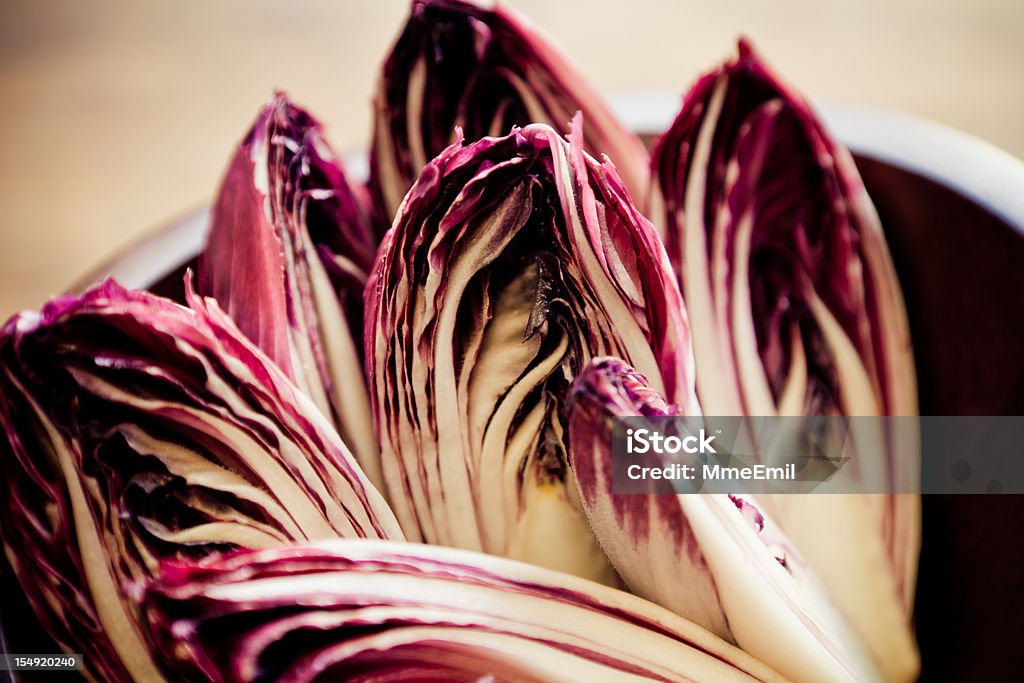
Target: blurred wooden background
x: 117, y: 115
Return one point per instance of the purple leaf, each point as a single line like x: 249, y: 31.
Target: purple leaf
x: 716, y: 559
x: 289, y: 250
x: 485, y: 70
x: 139, y: 431
x: 514, y: 260
x: 373, y: 611
x: 797, y: 310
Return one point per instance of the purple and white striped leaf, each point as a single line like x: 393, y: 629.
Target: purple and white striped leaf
x: 484, y: 69
x: 139, y: 431
x: 290, y: 246
x: 373, y: 611
x: 513, y: 262
x: 797, y: 310
x: 716, y: 559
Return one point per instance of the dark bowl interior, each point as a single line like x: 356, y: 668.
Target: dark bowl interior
x: 962, y: 272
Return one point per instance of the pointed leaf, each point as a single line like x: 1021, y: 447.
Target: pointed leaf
x: 290, y: 246
x: 485, y: 70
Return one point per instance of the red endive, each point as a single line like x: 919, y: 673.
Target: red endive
x: 484, y: 69
x: 514, y: 260
x: 717, y: 559
x: 372, y: 611
x: 139, y: 431
x: 290, y: 246
x: 797, y: 310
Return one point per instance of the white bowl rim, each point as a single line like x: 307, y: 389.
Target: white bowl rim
x: 971, y: 167
x: 977, y: 170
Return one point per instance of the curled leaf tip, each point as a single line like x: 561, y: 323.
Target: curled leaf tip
x: 716, y: 559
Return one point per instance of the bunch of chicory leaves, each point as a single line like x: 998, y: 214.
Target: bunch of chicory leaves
x: 309, y: 468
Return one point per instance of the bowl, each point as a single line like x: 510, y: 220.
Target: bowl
x: 953, y: 211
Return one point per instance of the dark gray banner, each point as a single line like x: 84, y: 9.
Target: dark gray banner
x: 818, y: 455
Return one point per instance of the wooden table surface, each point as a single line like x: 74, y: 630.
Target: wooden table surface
x: 117, y: 115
